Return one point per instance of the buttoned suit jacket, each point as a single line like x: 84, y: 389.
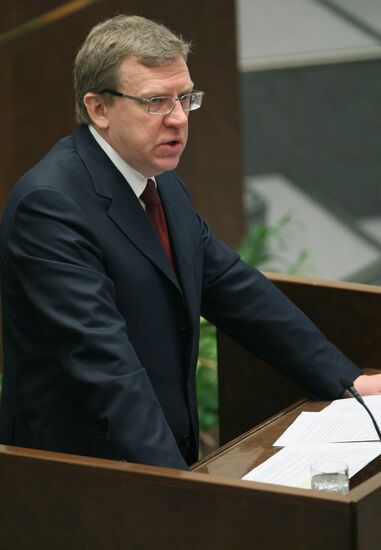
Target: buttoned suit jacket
x: 101, y: 334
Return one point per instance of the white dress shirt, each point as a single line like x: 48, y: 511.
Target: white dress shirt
x: 135, y: 180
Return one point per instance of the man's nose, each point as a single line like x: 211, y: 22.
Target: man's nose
x: 177, y: 116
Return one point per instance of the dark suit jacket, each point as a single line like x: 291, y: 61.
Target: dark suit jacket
x: 101, y: 336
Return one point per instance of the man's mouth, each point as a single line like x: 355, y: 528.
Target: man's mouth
x: 172, y: 147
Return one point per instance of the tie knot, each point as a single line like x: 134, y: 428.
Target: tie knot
x: 150, y: 196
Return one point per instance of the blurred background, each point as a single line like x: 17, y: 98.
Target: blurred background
x: 310, y: 95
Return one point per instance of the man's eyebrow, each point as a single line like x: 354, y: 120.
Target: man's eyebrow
x: 149, y: 94
x: 188, y: 89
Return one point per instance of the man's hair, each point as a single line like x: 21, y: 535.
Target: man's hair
x: 109, y: 43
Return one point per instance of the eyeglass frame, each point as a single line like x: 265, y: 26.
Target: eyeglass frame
x: 149, y: 101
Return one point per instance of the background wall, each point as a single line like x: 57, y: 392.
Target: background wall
x: 311, y: 83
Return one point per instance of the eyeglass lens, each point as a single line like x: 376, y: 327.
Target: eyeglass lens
x: 163, y: 105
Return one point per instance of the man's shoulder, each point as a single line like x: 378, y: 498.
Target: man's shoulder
x: 59, y: 161
x: 59, y: 166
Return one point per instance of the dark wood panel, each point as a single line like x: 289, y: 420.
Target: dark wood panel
x: 16, y: 13
x: 367, y: 528
x: 66, y: 502
x: 250, y: 391
x: 349, y: 314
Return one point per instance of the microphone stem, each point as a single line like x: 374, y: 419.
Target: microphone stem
x: 373, y: 420
x: 358, y: 397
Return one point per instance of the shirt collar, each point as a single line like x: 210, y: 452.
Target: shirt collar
x: 136, y: 181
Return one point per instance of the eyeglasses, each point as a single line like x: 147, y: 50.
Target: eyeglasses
x: 163, y: 105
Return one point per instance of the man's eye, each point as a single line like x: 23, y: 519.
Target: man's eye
x: 157, y: 100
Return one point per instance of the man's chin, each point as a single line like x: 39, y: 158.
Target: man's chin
x: 168, y: 165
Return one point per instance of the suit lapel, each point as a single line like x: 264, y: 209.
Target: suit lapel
x: 125, y: 209
x: 132, y: 220
x: 183, y: 261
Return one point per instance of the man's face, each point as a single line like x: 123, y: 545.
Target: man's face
x: 149, y: 143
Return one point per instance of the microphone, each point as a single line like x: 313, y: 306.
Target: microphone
x: 348, y: 385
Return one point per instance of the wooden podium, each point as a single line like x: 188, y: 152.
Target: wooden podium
x: 57, y: 501
x: 251, y: 391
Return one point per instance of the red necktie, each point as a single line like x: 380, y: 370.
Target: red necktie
x: 155, y: 212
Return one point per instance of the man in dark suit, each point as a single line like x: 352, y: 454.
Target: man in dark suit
x: 104, y: 276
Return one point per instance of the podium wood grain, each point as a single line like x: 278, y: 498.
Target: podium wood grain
x: 57, y: 501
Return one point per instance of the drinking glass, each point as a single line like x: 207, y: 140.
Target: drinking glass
x: 330, y: 475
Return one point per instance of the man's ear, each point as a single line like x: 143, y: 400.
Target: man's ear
x: 96, y: 109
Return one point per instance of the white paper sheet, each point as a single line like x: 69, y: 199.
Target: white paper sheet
x: 351, y: 406
x: 291, y: 465
x: 329, y: 427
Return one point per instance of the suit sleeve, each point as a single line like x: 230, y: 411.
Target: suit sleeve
x: 251, y: 310
x: 58, y: 263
